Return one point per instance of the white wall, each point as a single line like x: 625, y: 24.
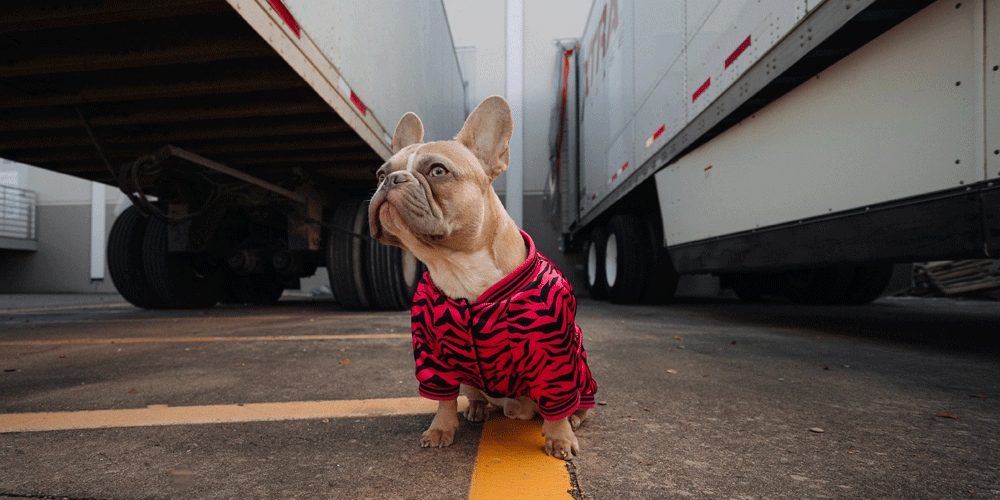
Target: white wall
x: 482, y: 24
x: 54, y: 188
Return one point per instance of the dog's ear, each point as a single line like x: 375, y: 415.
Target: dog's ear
x: 487, y: 134
x: 408, y: 131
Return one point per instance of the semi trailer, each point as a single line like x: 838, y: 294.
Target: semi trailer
x: 794, y: 148
x: 244, y: 132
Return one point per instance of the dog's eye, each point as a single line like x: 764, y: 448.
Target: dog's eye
x: 381, y: 178
x: 438, y: 170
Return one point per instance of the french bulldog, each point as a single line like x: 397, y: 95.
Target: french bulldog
x: 492, y: 317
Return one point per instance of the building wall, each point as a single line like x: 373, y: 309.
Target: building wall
x: 62, y: 261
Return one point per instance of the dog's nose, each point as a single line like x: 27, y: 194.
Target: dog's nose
x: 395, y: 178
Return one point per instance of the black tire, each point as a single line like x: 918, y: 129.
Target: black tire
x: 346, y: 262
x: 662, y: 282
x: 181, y: 280
x: 869, y: 283
x: 593, y: 264
x: 394, y: 274
x: 627, y: 260
x: 125, y: 259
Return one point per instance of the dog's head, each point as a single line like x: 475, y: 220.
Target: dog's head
x: 438, y: 195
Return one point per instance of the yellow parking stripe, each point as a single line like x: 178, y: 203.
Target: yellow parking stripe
x: 154, y: 340
x: 512, y: 463
x: 158, y: 415
x: 65, y: 308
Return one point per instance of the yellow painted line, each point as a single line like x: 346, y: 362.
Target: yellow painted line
x: 154, y: 340
x: 160, y: 415
x: 65, y: 308
x: 512, y: 463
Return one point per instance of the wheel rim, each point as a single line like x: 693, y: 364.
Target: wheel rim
x: 611, y: 260
x: 592, y: 265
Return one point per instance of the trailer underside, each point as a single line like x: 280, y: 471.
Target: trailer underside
x: 187, y: 73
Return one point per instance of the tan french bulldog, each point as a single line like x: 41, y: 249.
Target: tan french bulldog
x: 436, y: 200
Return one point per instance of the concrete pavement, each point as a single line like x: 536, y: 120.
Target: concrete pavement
x: 701, y: 399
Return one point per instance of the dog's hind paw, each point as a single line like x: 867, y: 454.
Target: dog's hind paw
x: 436, y: 438
x: 578, y: 417
x: 477, y: 411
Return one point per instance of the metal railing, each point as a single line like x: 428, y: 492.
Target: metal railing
x: 17, y: 213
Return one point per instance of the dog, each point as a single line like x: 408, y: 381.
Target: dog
x: 492, y: 317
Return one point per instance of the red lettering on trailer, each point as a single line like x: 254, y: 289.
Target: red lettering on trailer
x: 701, y: 90
x: 736, y: 53
x: 357, y: 102
x: 285, y: 16
x: 598, y: 46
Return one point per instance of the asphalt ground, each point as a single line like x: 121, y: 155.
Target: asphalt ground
x: 701, y: 399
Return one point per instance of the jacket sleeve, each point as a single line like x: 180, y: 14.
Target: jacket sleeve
x: 563, y: 373
x: 438, y: 381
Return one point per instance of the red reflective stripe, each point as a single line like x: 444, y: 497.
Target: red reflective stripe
x: 624, y: 166
x: 613, y: 177
x: 659, y: 132
x: 562, y: 110
x: 739, y: 50
x: 357, y: 102
x: 701, y: 90
x: 285, y: 16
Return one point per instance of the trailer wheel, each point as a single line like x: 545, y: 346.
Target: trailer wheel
x: 125, y: 260
x: 626, y: 257
x: 869, y: 283
x: 663, y: 278
x: 394, y: 274
x: 345, y: 256
x: 181, y: 280
x: 594, y: 265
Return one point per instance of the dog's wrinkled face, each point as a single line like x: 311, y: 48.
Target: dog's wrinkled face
x: 435, y: 195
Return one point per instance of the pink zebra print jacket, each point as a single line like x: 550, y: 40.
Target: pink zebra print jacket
x: 520, y: 338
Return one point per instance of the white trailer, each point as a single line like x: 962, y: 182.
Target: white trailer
x: 796, y: 148
x: 246, y: 133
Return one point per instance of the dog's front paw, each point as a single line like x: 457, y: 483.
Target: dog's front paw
x: 437, y: 438
x: 477, y: 411
x: 560, y: 442
x: 564, y: 449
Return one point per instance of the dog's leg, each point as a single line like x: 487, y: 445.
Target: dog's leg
x: 441, y: 433
x: 477, y: 410
x: 578, y: 417
x: 560, y: 442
